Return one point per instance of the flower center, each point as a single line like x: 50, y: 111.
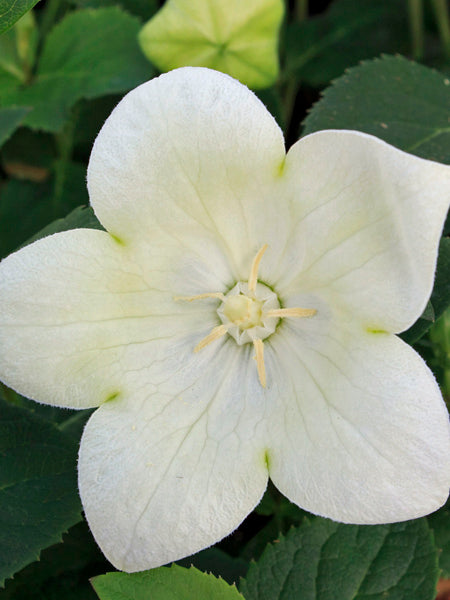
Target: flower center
x: 246, y: 313
x: 242, y: 311
x: 249, y: 312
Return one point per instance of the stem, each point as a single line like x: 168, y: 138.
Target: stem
x: 49, y: 17
x: 443, y: 23
x: 290, y: 94
x: 301, y: 10
x: 64, y: 142
x: 415, y: 10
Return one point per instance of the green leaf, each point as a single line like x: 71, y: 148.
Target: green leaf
x: 141, y: 8
x: 321, y: 48
x: 12, y: 10
x: 165, y: 583
x: 10, y: 119
x: 217, y: 562
x: 90, y: 53
x: 29, y: 155
x: 440, y: 524
x: 82, y: 217
x: 60, y: 573
x: 18, y: 48
x: 38, y: 487
x: 25, y: 207
x: 440, y: 296
x: 241, y: 41
x: 397, y: 100
x: 324, y: 560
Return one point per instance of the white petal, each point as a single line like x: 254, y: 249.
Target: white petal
x: 192, y: 148
x: 83, y: 318
x: 173, y: 470
x: 359, y: 431
x: 368, y: 223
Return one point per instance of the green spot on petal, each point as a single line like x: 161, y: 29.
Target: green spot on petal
x: 267, y: 459
x: 112, y: 396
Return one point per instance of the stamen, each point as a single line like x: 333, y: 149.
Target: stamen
x: 216, y: 333
x: 259, y: 349
x: 254, y: 270
x: 218, y: 295
x: 291, y: 312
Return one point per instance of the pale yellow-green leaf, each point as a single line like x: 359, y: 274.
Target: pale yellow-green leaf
x: 238, y: 38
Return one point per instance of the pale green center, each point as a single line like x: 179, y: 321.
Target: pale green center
x: 243, y: 311
x: 249, y: 313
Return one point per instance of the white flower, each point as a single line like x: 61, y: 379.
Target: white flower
x: 220, y: 243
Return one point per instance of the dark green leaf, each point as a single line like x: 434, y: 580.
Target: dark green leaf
x: 440, y: 296
x: 10, y: 119
x: 399, y: 101
x: 440, y: 523
x: 321, y: 48
x: 324, y: 560
x: 62, y: 571
x: 90, y: 53
x: 82, y: 217
x: 92, y: 114
x: 71, y: 422
x: 12, y: 10
x: 141, y: 8
x: 217, y: 562
x: 25, y: 208
x: 165, y: 583
x: 38, y: 487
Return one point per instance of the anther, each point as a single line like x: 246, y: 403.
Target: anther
x: 281, y: 313
x: 254, y: 270
x: 215, y: 334
x: 218, y: 295
x: 259, y: 349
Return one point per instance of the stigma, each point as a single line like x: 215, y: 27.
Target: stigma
x: 250, y: 312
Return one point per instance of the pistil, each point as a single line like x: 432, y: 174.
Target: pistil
x: 250, y: 313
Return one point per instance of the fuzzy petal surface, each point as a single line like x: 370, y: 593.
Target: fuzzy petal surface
x: 84, y: 318
x: 359, y: 432
x: 170, y: 471
x: 368, y: 219
x: 192, y: 149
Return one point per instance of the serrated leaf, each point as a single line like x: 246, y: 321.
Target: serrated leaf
x: 321, y: 48
x: 165, y: 583
x: 324, y: 560
x: 399, y: 101
x: 38, y: 487
x: 60, y: 573
x: 12, y: 10
x: 219, y: 563
x: 90, y: 53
